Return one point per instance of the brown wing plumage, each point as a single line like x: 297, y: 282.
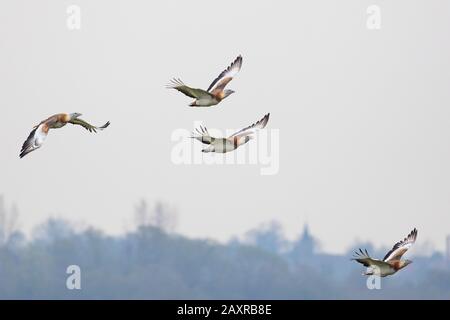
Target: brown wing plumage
x: 57, y: 118
x: 226, y: 76
x: 399, y: 249
x: 261, y: 124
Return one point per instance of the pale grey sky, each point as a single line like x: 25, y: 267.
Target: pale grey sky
x: 363, y: 115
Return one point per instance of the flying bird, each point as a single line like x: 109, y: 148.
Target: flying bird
x: 223, y: 145
x: 215, y: 93
x: 37, y: 137
x: 392, y: 262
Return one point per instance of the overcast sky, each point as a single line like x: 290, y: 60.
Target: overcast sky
x: 363, y: 115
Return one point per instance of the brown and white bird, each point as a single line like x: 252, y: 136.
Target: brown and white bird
x: 223, y: 145
x: 215, y: 93
x: 37, y: 137
x: 392, y: 262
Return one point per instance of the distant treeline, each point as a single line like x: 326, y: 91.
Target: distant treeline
x: 153, y: 263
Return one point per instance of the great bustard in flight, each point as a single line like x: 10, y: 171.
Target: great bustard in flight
x: 215, y: 93
x: 392, y: 261
x: 223, y: 145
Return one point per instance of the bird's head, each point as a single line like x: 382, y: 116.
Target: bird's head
x: 75, y: 115
x: 406, y: 262
x: 227, y: 93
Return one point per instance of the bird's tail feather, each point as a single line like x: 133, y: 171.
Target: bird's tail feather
x: 201, y: 134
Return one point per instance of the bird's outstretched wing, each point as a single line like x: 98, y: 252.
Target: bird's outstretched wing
x: 226, y: 76
x: 201, y: 134
x: 261, y: 124
x: 399, y: 249
x: 177, y: 84
x: 88, y: 126
x: 35, y: 139
x: 364, y: 258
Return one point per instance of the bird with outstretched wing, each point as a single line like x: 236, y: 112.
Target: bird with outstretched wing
x: 39, y: 133
x: 392, y: 261
x: 216, y: 91
x: 223, y: 145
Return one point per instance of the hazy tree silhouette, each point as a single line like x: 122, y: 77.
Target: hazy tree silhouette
x: 160, y: 216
